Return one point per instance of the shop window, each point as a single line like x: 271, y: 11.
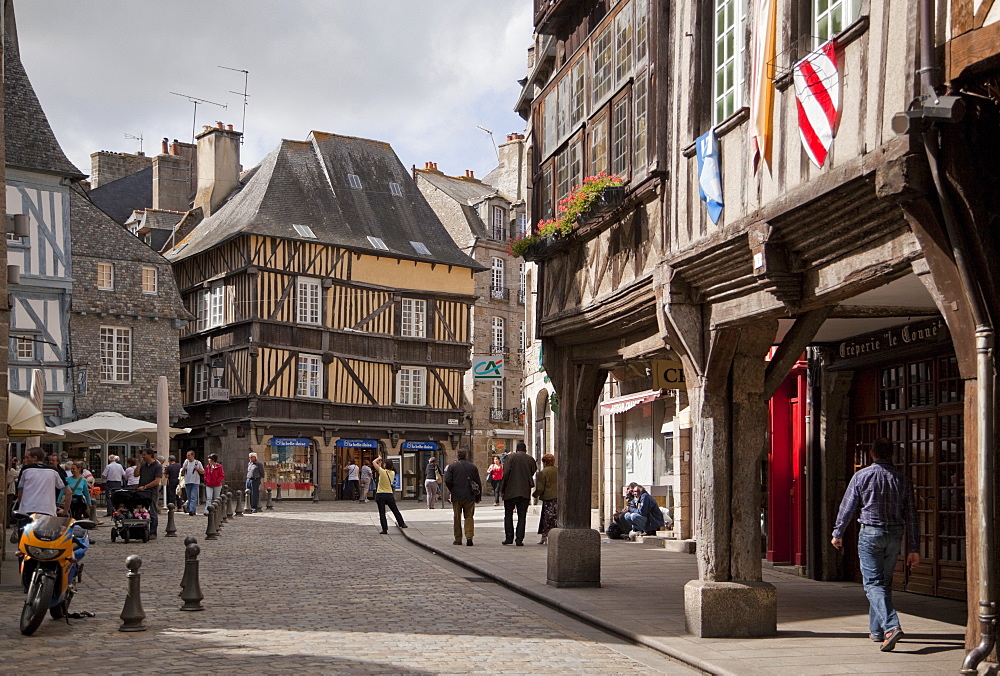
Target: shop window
x: 414, y: 318
x: 949, y: 380
x: 891, y: 384
x: 920, y: 377
x: 727, y: 64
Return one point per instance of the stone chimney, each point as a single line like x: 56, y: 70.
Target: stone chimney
x: 511, y: 179
x: 106, y: 166
x: 218, y: 166
x: 172, y: 184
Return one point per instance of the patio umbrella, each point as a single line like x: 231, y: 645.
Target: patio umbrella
x: 37, y: 395
x: 23, y: 417
x: 108, y: 427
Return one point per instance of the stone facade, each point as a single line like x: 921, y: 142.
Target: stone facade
x: 153, y: 319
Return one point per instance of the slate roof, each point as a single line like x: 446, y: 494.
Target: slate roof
x: 306, y: 183
x: 87, y: 219
x: 119, y: 198
x: 460, y: 190
x: 156, y: 224
x: 30, y: 143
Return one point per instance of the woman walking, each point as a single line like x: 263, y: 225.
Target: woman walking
x: 546, y: 491
x: 432, y: 477
x: 215, y: 475
x: 384, y: 495
x: 494, y: 474
x: 80, y: 490
x: 365, y: 482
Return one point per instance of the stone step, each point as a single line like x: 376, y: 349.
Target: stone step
x: 670, y: 544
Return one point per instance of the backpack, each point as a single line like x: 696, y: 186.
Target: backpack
x: 614, y: 531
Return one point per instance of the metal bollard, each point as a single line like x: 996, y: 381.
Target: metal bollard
x: 210, y: 533
x: 315, y: 493
x: 229, y: 506
x: 220, y: 512
x: 189, y: 540
x: 171, y: 530
x: 277, y: 498
x: 239, y: 503
x: 269, y: 504
x: 191, y: 593
x: 133, y: 615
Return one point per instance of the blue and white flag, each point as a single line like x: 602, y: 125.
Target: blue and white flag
x: 709, y: 174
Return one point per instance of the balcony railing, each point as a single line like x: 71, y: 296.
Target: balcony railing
x: 499, y: 293
x: 499, y: 414
x: 497, y: 349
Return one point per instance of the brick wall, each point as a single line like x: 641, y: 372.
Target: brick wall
x: 107, y: 166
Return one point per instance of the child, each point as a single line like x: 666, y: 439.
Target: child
x: 141, y: 513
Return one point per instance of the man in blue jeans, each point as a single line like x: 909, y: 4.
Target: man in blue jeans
x: 192, y: 471
x: 884, y: 495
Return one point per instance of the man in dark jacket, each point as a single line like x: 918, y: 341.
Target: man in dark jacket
x: 462, y: 479
x: 172, y: 473
x: 515, y: 488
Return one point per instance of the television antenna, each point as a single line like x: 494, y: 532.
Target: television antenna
x: 495, y: 149
x: 135, y: 138
x: 195, y: 100
x: 244, y: 94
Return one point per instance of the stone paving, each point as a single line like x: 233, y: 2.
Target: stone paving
x: 822, y: 626
x: 308, y: 588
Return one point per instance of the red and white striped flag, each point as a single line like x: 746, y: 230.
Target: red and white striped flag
x: 817, y: 95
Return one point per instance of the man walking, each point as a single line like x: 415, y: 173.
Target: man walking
x: 353, y: 479
x: 193, y: 471
x: 515, y: 488
x: 462, y: 479
x: 172, y: 473
x: 885, y: 497
x: 255, y: 474
x: 114, y: 475
x: 150, y: 477
x: 38, y: 484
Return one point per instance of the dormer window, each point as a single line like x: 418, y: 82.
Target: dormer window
x: 377, y: 243
x: 396, y: 189
x: 420, y: 248
x: 354, y: 180
x: 304, y: 231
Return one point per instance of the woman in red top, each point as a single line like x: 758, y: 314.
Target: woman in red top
x: 495, y: 474
x: 214, y: 476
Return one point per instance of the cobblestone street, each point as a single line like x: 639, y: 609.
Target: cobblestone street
x: 307, y: 589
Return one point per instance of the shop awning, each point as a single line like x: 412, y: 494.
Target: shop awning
x: 506, y: 434
x: 628, y: 402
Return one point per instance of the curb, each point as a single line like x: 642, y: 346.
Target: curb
x: 630, y: 636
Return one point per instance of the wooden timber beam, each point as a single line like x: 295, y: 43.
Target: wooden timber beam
x: 796, y: 340
x: 880, y: 311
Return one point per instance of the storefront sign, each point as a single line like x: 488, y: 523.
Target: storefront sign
x: 894, y: 338
x: 290, y: 441
x: 668, y: 375
x: 420, y: 446
x: 357, y: 443
x: 490, y: 368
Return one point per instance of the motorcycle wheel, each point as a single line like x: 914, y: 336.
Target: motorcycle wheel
x: 38, y: 601
x: 113, y: 535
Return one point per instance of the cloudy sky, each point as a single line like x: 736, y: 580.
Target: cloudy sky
x: 420, y: 74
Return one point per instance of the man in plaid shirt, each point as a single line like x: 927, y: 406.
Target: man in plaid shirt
x: 885, y: 497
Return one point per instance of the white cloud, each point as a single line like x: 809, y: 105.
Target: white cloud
x: 420, y: 74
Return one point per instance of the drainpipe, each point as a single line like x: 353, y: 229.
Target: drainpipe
x: 984, y: 366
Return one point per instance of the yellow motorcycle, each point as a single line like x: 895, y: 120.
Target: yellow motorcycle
x: 50, y: 550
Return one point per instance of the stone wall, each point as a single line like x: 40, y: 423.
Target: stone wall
x: 106, y: 166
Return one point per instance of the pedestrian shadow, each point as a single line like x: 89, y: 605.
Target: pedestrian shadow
x: 950, y: 641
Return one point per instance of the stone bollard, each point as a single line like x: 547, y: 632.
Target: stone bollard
x: 191, y: 592
x: 133, y: 615
x: 210, y: 533
x: 239, y: 503
x: 269, y: 504
x: 171, y: 530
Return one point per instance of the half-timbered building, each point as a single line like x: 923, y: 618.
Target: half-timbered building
x: 482, y: 219
x: 860, y: 289
x: 332, y: 313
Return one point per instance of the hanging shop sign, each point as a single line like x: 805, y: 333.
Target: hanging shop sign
x: 420, y: 446
x: 488, y: 368
x: 357, y: 443
x: 668, y: 375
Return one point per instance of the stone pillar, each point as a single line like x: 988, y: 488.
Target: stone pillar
x: 729, y: 418
x: 574, y: 549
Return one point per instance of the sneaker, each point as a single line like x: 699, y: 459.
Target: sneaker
x: 468, y: 542
x: 891, y: 639
x: 383, y: 532
x: 401, y: 525
x: 507, y: 542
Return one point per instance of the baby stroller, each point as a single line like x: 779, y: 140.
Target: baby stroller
x: 125, y: 522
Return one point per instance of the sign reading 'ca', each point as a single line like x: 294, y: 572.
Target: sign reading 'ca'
x: 668, y: 375
x: 490, y: 368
